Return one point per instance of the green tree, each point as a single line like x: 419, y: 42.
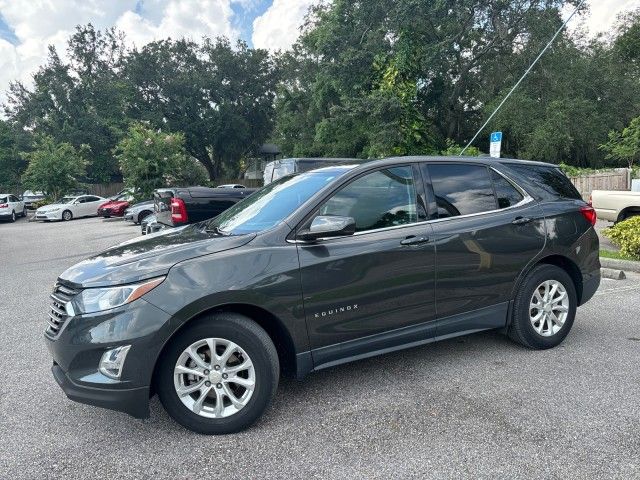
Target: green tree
x: 624, y: 146
x: 79, y: 100
x: 12, y: 164
x: 151, y: 159
x: 54, y: 168
x: 218, y: 94
x: 404, y: 76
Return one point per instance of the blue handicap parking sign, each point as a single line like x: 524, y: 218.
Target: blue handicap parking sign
x: 496, y: 137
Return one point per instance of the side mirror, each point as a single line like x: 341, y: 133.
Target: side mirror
x: 328, y: 227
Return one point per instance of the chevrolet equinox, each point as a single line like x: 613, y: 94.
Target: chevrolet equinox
x: 318, y: 269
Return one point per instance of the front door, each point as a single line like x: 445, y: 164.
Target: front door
x: 377, y: 282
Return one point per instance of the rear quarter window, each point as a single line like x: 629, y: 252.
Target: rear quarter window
x: 548, y: 182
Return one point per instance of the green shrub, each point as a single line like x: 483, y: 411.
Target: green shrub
x: 626, y: 235
x: 41, y: 203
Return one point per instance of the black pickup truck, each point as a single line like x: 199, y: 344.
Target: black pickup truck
x: 180, y: 206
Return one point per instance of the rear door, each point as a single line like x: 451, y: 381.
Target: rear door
x: 376, y: 282
x: 18, y: 206
x: 91, y: 204
x: 487, y: 231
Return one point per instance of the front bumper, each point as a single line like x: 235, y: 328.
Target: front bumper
x: 81, y: 342
x: 134, y: 401
x: 48, y: 215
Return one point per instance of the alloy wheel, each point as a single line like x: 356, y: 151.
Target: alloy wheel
x: 214, y: 378
x: 549, y: 308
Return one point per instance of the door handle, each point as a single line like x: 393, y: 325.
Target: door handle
x: 413, y: 240
x: 522, y: 220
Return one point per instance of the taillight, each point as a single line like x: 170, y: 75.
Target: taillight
x: 589, y: 214
x: 178, y: 211
x: 4, y: 205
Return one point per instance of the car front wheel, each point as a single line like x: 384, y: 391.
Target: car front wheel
x: 67, y: 215
x: 218, y: 375
x: 13, y: 217
x: 544, y: 308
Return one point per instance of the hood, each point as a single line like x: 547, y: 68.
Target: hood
x: 114, y: 204
x: 53, y: 206
x: 148, y: 257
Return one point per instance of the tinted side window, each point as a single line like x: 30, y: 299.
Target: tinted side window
x: 462, y: 189
x: 549, y: 181
x: 386, y: 198
x: 507, y: 194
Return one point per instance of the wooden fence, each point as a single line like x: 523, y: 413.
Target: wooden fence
x: 104, y: 189
x: 617, y: 179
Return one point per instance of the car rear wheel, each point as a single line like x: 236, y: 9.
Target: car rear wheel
x: 143, y: 215
x: 544, y: 308
x: 13, y: 217
x: 218, y: 375
x: 67, y: 215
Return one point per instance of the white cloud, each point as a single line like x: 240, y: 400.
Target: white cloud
x: 40, y: 23
x: 279, y: 27
x: 179, y: 18
x: 602, y: 15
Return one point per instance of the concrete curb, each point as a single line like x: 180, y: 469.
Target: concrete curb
x: 612, y: 274
x: 627, y: 265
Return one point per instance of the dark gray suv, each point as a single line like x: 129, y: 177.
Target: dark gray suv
x: 318, y: 269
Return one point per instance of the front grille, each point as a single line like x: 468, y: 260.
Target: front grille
x: 60, y: 311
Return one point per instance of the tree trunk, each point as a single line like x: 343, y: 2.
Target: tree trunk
x: 203, y: 157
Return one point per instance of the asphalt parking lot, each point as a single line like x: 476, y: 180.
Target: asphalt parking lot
x: 472, y: 407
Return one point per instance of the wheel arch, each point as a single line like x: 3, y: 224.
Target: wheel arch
x: 558, y: 260
x: 568, y: 266
x: 268, y: 321
x: 624, y: 213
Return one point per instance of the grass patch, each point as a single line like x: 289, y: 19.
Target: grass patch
x: 615, y: 255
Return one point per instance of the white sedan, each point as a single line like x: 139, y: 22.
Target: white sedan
x: 10, y: 207
x: 71, y: 207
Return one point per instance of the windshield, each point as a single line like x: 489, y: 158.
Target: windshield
x: 272, y: 204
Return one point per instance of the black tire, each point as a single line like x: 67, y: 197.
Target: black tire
x: 249, y: 336
x: 24, y: 212
x: 67, y: 215
x: 142, y: 215
x: 521, y: 329
x: 13, y: 217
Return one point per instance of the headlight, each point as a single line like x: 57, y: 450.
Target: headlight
x: 94, y: 300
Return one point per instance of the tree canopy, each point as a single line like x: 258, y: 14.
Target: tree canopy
x: 54, y: 168
x: 366, y: 79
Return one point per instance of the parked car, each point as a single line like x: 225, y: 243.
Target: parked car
x: 11, y: 207
x: 29, y: 198
x: 116, y: 206
x: 137, y: 212
x: 280, y: 168
x: 319, y: 269
x: 180, y: 206
x: 70, y: 207
x: 231, y: 185
x: 615, y: 206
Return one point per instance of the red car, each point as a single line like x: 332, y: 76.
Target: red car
x: 116, y: 206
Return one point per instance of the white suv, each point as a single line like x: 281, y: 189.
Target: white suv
x: 10, y: 207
